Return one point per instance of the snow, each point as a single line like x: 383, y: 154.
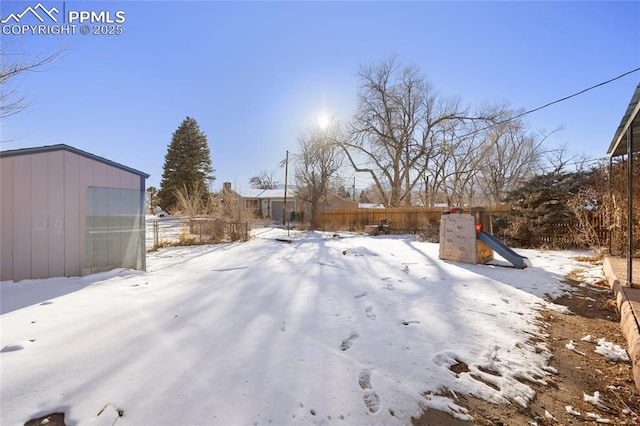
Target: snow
x: 591, y: 276
x: 352, y: 330
x: 571, y: 411
x: 573, y: 347
x: 592, y: 399
x: 597, y: 418
x: 595, y: 401
x: 611, y: 351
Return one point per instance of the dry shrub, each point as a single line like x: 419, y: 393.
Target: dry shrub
x: 213, y: 218
x: 586, y: 211
x: 601, y: 208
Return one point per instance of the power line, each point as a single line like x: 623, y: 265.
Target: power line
x: 546, y: 106
x: 550, y: 103
x: 576, y: 94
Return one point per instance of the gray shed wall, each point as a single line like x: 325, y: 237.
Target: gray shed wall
x: 43, y: 200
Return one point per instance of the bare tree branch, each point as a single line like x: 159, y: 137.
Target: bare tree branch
x: 316, y: 163
x: 13, y: 65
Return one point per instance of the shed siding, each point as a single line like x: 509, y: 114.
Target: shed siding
x: 43, y: 212
x: 39, y: 213
x: 55, y: 218
x: 72, y: 196
x: 21, y: 200
x: 6, y: 219
x: 88, y: 175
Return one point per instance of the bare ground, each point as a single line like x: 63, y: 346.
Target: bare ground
x: 578, y: 374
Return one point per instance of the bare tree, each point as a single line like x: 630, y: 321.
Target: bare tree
x: 559, y: 160
x: 454, y: 165
x: 509, y: 157
x: 394, y: 133
x: 13, y: 64
x: 264, y: 180
x: 316, y: 163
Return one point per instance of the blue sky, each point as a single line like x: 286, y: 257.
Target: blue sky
x: 253, y: 74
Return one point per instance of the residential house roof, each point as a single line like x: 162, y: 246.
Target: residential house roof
x: 263, y: 193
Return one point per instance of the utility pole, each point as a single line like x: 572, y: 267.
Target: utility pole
x: 354, y: 188
x: 286, y: 172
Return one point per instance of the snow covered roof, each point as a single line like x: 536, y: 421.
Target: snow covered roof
x: 264, y: 193
x: 370, y: 206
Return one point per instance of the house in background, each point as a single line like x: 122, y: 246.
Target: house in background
x: 66, y: 212
x: 333, y: 201
x: 268, y: 203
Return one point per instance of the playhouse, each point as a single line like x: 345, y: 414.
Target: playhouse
x: 468, y: 238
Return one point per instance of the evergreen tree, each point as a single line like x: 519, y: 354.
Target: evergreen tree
x: 187, y: 165
x: 541, y: 207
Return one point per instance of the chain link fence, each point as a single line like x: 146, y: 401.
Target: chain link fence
x: 162, y: 232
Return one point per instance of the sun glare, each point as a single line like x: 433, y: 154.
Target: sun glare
x: 323, y: 121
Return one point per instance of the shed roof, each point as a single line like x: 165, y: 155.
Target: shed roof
x: 64, y: 147
x: 630, y: 119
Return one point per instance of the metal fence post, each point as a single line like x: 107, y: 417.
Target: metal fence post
x: 155, y: 233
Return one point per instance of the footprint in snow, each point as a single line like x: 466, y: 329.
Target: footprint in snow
x: 369, y: 313
x: 370, y: 397
x: 371, y: 400
x: 283, y: 326
x: 348, y: 342
x: 358, y: 296
x: 364, y: 379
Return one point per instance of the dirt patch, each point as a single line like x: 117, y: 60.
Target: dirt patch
x: 580, y: 372
x: 459, y: 367
x: 53, y: 419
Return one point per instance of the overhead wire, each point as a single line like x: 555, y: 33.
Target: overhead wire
x: 576, y: 94
x: 548, y: 104
x: 522, y: 114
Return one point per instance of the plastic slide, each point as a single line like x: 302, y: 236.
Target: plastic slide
x: 496, y: 245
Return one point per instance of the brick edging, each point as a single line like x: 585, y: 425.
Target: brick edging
x: 628, y: 318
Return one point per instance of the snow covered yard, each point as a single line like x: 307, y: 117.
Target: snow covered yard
x: 351, y: 330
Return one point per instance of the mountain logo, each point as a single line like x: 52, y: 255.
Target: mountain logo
x: 38, y: 11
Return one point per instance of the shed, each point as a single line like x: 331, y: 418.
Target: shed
x: 66, y: 212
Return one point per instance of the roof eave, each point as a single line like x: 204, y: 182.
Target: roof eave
x: 631, y: 120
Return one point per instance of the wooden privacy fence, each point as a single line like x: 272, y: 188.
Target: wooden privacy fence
x: 402, y: 220
x: 424, y: 220
x: 560, y: 235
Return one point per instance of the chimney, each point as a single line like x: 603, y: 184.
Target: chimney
x: 226, y: 186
